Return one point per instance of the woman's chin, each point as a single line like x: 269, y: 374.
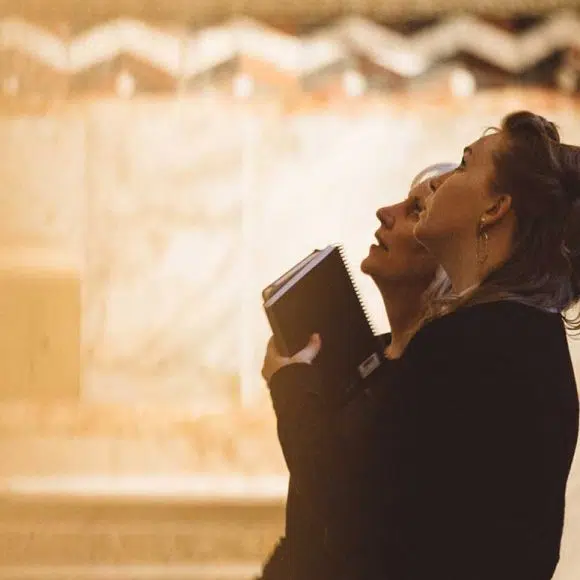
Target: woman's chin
x: 371, y: 266
x: 366, y: 266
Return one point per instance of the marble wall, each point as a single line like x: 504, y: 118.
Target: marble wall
x: 194, y: 206
x: 135, y: 239
x: 149, y: 227
x: 172, y: 214
x: 163, y: 261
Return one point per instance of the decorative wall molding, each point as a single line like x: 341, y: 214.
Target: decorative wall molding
x: 186, y: 54
x: 414, y: 55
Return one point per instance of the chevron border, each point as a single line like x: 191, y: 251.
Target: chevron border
x: 193, y: 53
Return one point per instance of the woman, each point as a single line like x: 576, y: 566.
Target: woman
x: 402, y: 275
x: 505, y: 227
x: 473, y: 442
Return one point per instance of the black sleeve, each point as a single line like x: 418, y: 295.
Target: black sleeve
x: 326, y: 449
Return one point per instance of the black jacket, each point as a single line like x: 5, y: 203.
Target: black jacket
x: 303, y: 545
x: 455, y: 467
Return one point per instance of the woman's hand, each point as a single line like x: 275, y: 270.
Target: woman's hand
x: 274, y: 361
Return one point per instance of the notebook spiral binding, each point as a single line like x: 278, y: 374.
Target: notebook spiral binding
x: 346, y: 263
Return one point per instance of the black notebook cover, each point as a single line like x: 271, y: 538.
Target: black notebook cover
x: 319, y: 295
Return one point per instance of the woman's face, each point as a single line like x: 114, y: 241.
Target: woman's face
x: 453, y: 210
x: 397, y: 256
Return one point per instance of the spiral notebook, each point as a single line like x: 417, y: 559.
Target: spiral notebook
x: 319, y: 294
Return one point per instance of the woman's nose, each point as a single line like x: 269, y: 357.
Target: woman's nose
x: 386, y: 217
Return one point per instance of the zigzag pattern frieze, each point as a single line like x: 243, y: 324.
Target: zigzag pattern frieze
x: 188, y: 54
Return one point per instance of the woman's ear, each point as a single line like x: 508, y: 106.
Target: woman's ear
x: 497, y: 210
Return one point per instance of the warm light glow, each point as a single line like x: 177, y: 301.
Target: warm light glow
x: 243, y: 86
x: 354, y: 83
x: 568, y: 78
x: 462, y: 83
x: 125, y: 85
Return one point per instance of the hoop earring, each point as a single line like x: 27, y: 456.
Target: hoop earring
x: 482, y: 250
